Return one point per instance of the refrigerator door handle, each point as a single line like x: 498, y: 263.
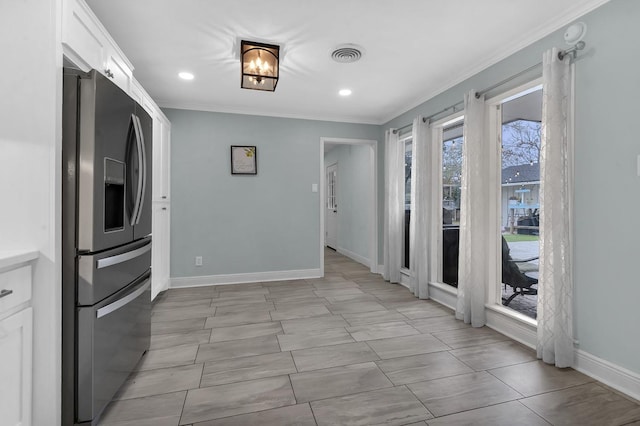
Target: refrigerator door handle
x: 111, y: 307
x: 135, y: 215
x: 119, y: 258
x: 143, y: 165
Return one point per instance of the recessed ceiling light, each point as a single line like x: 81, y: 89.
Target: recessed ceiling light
x: 344, y: 92
x: 185, y: 75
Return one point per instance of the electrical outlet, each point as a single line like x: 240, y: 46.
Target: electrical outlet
x: 198, y: 260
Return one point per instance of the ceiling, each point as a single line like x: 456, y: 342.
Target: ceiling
x: 413, y: 49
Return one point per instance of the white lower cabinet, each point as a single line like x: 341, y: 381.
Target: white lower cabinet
x: 16, y: 338
x: 160, y: 248
x: 16, y: 334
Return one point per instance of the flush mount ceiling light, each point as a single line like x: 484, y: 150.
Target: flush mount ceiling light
x: 185, y: 75
x: 260, y: 64
x: 344, y: 92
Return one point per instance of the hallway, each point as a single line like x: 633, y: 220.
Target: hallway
x: 346, y: 349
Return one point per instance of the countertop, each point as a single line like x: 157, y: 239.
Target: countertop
x: 12, y: 258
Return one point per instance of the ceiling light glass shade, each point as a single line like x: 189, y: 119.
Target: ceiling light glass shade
x: 260, y: 65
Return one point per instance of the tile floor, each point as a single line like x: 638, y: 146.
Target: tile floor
x: 347, y: 349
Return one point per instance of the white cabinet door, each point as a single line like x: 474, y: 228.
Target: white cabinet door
x: 87, y: 44
x: 15, y: 369
x: 160, y: 248
x: 137, y: 93
x: 161, y: 158
x: 116, y: 67
x: 82, y: 39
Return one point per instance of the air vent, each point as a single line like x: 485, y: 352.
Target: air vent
x: 347, y: 53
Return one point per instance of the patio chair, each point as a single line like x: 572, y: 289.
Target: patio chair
x: 514, y: 276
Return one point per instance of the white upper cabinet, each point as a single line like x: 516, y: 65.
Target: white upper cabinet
x: 161, y: 154
x: 137, y: 93
x: 87, y: 44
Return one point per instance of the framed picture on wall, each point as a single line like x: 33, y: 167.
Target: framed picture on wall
x: 244, y: 160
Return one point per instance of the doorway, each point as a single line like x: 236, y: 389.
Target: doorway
x: 359, y: 207
x: 331, y: 210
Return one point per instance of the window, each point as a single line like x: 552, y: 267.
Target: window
x: 520, y: 128
x: 408, y: 151
x: 452, y: 142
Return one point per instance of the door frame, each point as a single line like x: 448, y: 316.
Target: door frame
x: 373, y: 188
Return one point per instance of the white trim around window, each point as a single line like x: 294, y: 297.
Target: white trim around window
x: 441, y: 288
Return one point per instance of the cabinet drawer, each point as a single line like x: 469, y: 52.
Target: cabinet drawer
x: 18, y: 282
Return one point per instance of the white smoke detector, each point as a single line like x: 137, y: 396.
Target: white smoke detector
x: 575, y: 33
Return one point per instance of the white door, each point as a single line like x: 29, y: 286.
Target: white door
x: 331, y: 210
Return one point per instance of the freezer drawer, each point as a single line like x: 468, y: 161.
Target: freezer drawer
x: 112, y: 336
x: 105, y: 273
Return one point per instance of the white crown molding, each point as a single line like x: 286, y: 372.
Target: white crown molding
x: 206, y: 280
x: 581, y: 9
x: 194, y: 106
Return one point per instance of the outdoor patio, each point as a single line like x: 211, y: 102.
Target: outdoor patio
x: 525, y: 304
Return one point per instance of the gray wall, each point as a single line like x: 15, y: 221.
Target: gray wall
x: 270, y: 222
x: 245, y: 224
x: 607, y: 187
x: 354, y: 196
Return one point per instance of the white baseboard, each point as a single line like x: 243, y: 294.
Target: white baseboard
x: 610, y: 374
x: 251, y: 277
x: 521, y: 330
x: 619, y: 378
x: 405, y: 279
x: 360, y: 259
x: 445, y: 296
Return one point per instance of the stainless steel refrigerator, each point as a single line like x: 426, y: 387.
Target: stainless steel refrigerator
x: 106, y: 242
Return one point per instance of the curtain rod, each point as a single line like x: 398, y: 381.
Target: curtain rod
x: 507, y: 80
x: 428, y: 118
x: 561, y: 54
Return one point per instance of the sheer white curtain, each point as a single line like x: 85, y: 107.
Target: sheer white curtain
x: 555, y: 287
x: 472, y: 264
x: 393, y: 206
x: 421, y: 189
